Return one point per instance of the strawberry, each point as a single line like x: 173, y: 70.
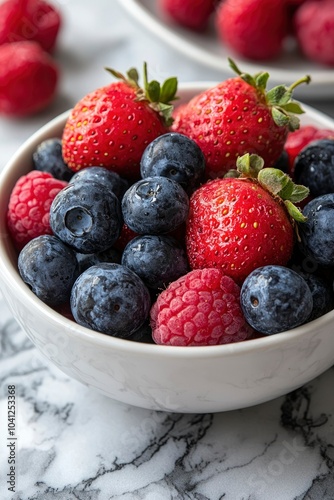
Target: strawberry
x: 239, y: 116
x: 28, y: 78
x: 191, y: 14
x: 254, y: 29
x: 112, y: 125
x: 33, y: 20
x: 241, y: 223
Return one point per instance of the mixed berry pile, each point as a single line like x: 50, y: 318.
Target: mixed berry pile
x: 261, y: 29
x: 206, y: 224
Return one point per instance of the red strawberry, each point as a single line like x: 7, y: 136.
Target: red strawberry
x: 239, y: 224
x: 300, y: 138
x: 192, y: 14
x: 28, y: 78
x: 112, y: 126
x: 33, y: 20
x: 254, y: 29
x: 239, y: 116
x: 314, y: 28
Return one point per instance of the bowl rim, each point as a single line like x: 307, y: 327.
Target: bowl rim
x: 72, y: 329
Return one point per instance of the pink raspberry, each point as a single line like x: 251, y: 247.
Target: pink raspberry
x: 29, y: 206
x: 200, y: 308
x: 314, y: 28
x: 35, y: 20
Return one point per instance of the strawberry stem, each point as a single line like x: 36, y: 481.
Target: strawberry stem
x: 159, y: 97
x: 279, y: 98
x: 145, y: 78
x: 306, y: 79
x: 278, y: 183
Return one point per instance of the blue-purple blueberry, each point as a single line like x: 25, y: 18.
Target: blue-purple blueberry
x: 275, y: 299
x: 322, y: 294
x: 108, y: 178
x: 48, y: 157
x: 158, y: 260
x: 86, y: 216
x: 86, y: 260
x: 317, y: 233
x: 282, y: 163
x: 175, y: 156
x: 155, y: 205
x: 49, y: 268
x: 111, y: 299
x: 314, y: 167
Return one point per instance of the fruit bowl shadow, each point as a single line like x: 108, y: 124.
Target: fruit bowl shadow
x: 166, y: 378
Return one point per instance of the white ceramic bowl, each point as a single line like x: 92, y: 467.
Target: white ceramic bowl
x: 178, y: 379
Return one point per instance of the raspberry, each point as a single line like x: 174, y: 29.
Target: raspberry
x: 29, y: 206
x: 314, y: 28
x: 29, y: 78
x: 200, y: 308
x: 300, y: 138
x: 34, y: 20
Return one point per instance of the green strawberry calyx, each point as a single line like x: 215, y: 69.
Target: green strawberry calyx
x: 278, y: 183
x: 159, y: 97
x: 279, y: 98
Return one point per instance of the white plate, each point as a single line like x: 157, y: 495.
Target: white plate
x: 207, y: 50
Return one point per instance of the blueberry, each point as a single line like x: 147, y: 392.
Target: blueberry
x: 48, y: 158
x: 91, y: 259
x: 110, y: 179
x: 322, y: 294
x: 275, y: 299
x: 317, y: 233
x: 86, y: 216
x: 49, y: 268
x: 314, y: 167
x: 143, y: 334
x: 158, y: 260
x: 155, y: 205
x: 175, y: 156
x: 111, y: 299
x: 283, y: 162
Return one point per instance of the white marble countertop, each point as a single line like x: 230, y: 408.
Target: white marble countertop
x: 73, y: 443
